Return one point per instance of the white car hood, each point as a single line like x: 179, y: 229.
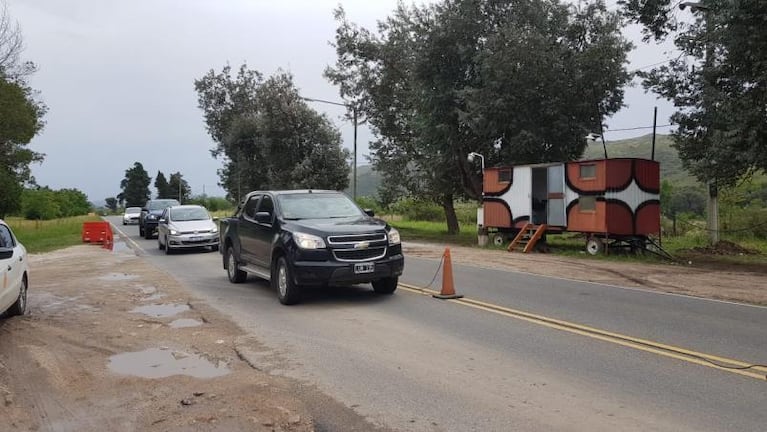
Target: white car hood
x: 192, y: 226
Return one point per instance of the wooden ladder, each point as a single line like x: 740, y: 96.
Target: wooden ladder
x: 528, y: 236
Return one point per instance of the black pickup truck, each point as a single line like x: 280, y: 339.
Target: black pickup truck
x: 308, y: 238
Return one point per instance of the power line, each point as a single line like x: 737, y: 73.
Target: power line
x: 638, y: 128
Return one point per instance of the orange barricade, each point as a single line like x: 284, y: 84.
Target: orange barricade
x: 96, y: 232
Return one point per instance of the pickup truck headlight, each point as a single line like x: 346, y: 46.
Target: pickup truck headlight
x: 151, y: 217
x: 308, y: 241
x: 394, y: 236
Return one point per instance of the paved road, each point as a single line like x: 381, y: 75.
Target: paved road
x: 413, y: 363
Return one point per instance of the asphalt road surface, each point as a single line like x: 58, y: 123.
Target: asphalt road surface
x: 519, y: 352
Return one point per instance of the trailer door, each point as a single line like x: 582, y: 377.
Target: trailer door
x: 555, y: 208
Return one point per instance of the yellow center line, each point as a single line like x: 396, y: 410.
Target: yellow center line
x: 607, y: 336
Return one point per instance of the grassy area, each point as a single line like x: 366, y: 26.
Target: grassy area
x: 45, y: 236
x: 435, y: 232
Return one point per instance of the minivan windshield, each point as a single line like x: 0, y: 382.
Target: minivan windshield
x: 317, y: 206
x: 188, y: 214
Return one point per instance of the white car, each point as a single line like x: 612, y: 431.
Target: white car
x: 186, y: 226
x: 131, y: 215
x: 14, y: 273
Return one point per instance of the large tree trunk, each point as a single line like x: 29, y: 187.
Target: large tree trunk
x: 452, y: 219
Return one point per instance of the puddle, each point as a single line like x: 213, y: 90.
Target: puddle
x: 157, y: 363
x: 119, y: 246
x: 117, y: 276
x: 161, y: 310
x: 153, y: 297
x: 185, y: 322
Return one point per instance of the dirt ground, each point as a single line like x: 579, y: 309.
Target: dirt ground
x: 85, y: 358
x: 697, y: 274
x: 112, y: 343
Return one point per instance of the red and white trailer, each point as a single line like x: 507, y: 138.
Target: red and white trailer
x: 609, y: 200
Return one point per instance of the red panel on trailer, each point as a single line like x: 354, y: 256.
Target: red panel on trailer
x: 593, y: 179
x: 496, y: 215
x: 587, y: 221
x: 647, y: 175
x: 618, y: 172
x: 648, y: 219
x: 620, y: 219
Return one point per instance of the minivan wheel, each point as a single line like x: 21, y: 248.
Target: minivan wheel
x: 287, y: 291
x: 385, y: 286
x: 235, y: 275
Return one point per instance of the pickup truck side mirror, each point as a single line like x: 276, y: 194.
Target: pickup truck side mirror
x: 263, y: 217
x: 370, y: 212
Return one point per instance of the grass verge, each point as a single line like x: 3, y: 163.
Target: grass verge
x: 45, y: 236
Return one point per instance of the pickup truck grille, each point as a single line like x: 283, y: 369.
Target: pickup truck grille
x: 356, y: 238
x: 369, y: 254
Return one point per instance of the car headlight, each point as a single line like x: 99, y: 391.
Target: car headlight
x: 394, y: 236
x: 214, y: 230
x: 308, y: 241
x: 173, y: 232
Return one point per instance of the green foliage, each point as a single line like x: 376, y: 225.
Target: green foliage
x: 437, y: 82
x: 178, y: 188
x: 267, y: 135
x: 366, y: 202
x: 164, y: 190
x: 40, y: 204
x: 111, y: 204
x: 72, y: 202
x: 719, y: 85
x: 435, y: 232
x: 44, y: 236
x: 418, y: 210
x: 213, y: 204
x: 20, y: 120
x: 45, y: 204
x: 135, y: 186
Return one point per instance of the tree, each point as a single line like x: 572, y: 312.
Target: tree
x: 40, y: 204
x: 162, y: 186
x: 135, y: 186
x: 71, y: 202
x: 519, y: 82
x: 178, y: 188
x: 111, y: 204
x: 20, y: 120
x: 267, y: 136
x: 719, y: 84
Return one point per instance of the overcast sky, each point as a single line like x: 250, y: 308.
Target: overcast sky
x: 118, y: 78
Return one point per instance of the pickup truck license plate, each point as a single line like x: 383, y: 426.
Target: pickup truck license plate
x: 364, y: 268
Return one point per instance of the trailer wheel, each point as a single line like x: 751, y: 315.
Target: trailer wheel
x: 499, y: 239
x: 595, y: 246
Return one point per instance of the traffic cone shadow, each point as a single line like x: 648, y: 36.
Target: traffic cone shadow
x: 448, y: 289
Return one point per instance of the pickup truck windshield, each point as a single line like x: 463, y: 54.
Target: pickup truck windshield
x: 317, y: 206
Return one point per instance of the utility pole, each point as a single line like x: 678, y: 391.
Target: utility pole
x: 354, y: 119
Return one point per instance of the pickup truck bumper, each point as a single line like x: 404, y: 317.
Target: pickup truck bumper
x: 319, y: 273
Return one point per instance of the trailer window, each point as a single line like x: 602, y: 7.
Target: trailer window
x: 587, y: 203
x: 504, y: 175
x: 588, y: 171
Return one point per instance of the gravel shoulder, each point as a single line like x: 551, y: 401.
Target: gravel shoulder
x: 85, y: 358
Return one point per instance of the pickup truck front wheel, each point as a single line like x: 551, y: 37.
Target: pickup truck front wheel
x: 287, y: 291
x: 235, y: 275
x: 385, y: 286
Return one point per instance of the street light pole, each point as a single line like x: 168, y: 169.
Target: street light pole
x: 354, y: 119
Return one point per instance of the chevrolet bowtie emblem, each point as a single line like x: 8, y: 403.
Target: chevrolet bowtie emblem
x: 361, y: 245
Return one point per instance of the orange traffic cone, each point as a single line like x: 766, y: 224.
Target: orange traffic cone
x: 448, y: 290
